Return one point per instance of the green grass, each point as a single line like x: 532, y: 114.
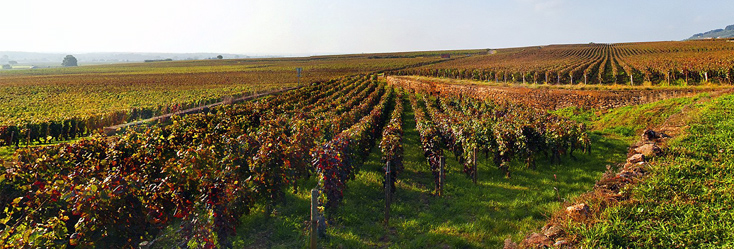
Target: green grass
x: 586, y: 116
x: 6, y: 153
x: 686, y: 200
x: 631, y: 120
x: 469, y: 216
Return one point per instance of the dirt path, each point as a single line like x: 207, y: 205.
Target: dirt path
x: 113, y: 129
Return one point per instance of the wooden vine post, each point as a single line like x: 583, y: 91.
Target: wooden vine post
x: 388, y: 192
x: 474, y: 166
x: 441, y: 176
x: 314, y: 217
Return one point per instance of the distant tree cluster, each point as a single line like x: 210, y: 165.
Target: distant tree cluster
x: 158, y: 60
x: 69, y: 61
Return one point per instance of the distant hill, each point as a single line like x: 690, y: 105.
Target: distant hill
x: 727, y: 32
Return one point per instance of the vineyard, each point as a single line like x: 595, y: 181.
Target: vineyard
x: 40, y: 106
x: 550, y: 98
x: 396, y: 154
x: 206, y: 170
x: 648, y: 63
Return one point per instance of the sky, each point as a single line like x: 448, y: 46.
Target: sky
x: 305, y: 27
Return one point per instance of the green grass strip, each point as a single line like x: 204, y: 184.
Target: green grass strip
x: 687, y: 199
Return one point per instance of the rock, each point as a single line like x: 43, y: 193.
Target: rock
x: 627, y: 174
x: 509, y: 244
x: 650, y: 135
x: 552, y: 231
x: 631, y: 149
x: 537, y: 240
x: 635, y: 170
x: 636, y: 158
x: 628, y: 165
x: 560, y: 243
x: 649, y: 150
x: 578, y: 212
x: 637, y: 144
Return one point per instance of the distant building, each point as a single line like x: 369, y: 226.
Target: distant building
x: 445, y: 56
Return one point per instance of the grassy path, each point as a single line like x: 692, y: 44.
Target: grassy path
x: 473, y: 216
x: 469, y: 216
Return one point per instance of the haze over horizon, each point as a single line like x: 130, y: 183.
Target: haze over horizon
x: 325, y: 27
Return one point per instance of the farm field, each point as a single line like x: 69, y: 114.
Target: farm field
x: 517, y: 151
x: 645, y: 63
x: 63, y: 103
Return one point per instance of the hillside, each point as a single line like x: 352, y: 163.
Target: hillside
x: 727, y: 32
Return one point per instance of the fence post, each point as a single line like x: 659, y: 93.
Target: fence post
x: 441, y: 176
x: 388, y: 192
x: 474, y: 166
x: 314, y: 217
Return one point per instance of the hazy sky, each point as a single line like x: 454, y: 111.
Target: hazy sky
x: 343, y: 26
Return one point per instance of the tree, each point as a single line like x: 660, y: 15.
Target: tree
x: 220, y: 57
x: 69, y: 61
x: 7, y: 66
